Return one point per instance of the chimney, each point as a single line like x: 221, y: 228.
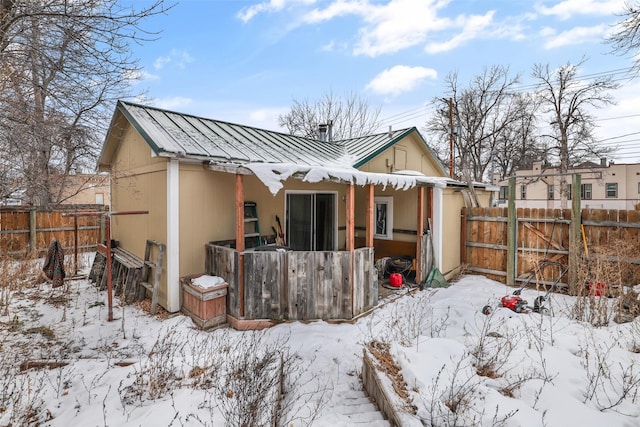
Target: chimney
x: 603, y: 162
x: 322, y: 131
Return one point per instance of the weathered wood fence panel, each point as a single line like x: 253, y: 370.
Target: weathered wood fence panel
x: 223, y: 262
x: 265, y: 284
x: 319, y: 285
x: 543, y: 234
x: 365, y: 284
x: 296, y: 285
x: 25, y: 231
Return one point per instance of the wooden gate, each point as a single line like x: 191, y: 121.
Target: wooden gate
x: 541, y: 234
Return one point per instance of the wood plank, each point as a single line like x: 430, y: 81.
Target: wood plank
x: 350, y: 218
x: 542, y: 236
x: 370, y: 227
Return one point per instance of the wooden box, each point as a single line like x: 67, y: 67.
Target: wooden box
x: 207, y: 307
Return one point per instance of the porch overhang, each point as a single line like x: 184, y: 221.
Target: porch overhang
x: 272, y: 175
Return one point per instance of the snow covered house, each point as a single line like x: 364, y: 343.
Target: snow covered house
x: 337, y: 206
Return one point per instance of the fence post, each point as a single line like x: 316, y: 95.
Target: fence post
x: 463, y: 236
x: 103, y: 228
x: 33, y: 241
x: 511, y: 234
x: 574, y: 232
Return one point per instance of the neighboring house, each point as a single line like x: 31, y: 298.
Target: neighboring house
x: 77, y: 189
x: 604, y: 186
x: 341, y: 199
x: 89, y: 189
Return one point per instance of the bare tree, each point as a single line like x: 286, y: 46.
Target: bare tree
x: 64, y: 64
x: 491, y: 122
x: 348, y: 116
x: 567, y: 103
x: 519, y: 145
x: 626, y: 39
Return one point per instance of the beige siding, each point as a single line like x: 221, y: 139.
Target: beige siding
x: 142, y: 187
x: 207, y: 213
x: 409, y: 154
x: 453, y: 203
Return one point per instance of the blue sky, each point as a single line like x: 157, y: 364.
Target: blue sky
x: 245, y: 61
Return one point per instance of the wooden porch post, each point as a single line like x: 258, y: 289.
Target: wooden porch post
x: 430, y: 206
x: 419, y: 231
x: 350, y: 218
x: 350, y: 241
x: 370, y: 207
x: 240, y: 239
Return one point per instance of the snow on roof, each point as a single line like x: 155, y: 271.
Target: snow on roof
x: 272, y: 176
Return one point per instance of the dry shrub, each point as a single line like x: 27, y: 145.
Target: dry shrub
x: 15, y: 274
x: 386, y: 363
x: 609, y: 271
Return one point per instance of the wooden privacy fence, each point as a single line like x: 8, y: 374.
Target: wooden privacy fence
x: 545, y: 234
x: 29, y: 231
x: 295, y: 285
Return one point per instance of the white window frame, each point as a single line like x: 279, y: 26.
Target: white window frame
x: 504, y: 192
x: 387, y: 202
x: 613, y: 187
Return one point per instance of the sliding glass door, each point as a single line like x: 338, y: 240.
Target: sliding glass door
x: 311, y: 221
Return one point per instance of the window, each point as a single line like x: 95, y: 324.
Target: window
x: 611, y: 190
x: 383, y: 217
x: 523, y: 192
x: 586, y: 191
x: 504, y: 192
x: 569, y: 192
x: 639, y: 188
x: 99, y: 199
x: 550, y: 191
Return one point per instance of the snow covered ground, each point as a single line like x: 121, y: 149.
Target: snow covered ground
x: 459, y: 366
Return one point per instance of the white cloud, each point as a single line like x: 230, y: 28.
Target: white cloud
x: 136, y: 76
x: 265, y: 117
x: 568, y: 8
x: 248, y: 13
x: 399, y: 24
x: 178, y: 57
x: 472, y: 27
x: 173, y: 103
x: 575, y: 36
x: 334, y: 46
x: 339, y: 8
x: 399, y: 79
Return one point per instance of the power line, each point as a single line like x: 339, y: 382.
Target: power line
x: 617, y: 118
x: 424, y: 109
x: 619, y: 136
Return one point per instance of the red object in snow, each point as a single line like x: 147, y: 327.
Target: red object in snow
x: 514, y: 302
x: 395, y: 280
x: 597, y: 289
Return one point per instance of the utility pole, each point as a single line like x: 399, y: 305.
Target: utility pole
x: 451, y: 137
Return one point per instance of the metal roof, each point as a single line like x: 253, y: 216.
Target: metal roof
x: 182, y: 135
